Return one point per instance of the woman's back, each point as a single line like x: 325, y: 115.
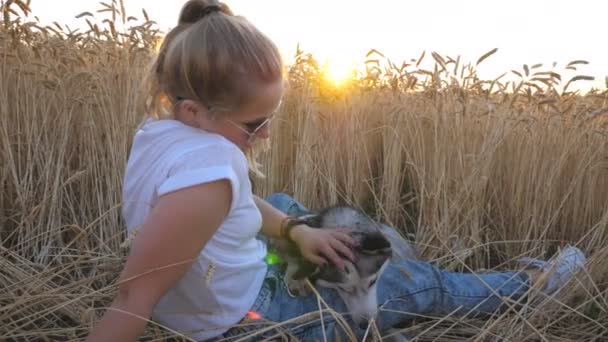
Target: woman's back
x: 225, y: 279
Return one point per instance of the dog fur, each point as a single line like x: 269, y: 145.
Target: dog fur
x: 356, y: 284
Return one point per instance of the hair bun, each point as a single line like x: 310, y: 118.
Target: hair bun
x: 195, y: 10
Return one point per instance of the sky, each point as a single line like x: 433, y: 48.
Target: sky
x: 342, y: 31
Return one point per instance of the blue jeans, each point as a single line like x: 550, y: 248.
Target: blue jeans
x: 427, y: 290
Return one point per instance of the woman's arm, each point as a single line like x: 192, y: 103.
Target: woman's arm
x: 317, y: 245
x: 272, y: 218
x: 172, y: 237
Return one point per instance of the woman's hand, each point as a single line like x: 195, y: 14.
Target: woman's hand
x: 321, y: 245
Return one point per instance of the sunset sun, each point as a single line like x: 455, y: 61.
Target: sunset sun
x: 339, y: 71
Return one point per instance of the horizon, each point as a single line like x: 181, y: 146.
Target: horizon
x: 542, y: 31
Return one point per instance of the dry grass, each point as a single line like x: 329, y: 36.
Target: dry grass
x: 477, y: 172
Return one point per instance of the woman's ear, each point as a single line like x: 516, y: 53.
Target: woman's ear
x: 189, y: 107
x: 187, y: 112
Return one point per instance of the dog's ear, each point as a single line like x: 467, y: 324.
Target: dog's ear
x: 305, y: 269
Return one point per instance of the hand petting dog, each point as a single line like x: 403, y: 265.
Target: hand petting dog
x: 321, y: 245
x: 356, y: 247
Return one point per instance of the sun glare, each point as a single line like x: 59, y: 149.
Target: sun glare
x: 338, y: 71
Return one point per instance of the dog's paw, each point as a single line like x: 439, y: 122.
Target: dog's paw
x: 297, y: 287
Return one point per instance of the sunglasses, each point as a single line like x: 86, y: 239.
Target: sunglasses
x: 252, y: 128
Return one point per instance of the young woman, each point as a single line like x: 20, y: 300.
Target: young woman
x: 196, y: 264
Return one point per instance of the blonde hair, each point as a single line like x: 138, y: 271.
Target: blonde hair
x: 213, y: 58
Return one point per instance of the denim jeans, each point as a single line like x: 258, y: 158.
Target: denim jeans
x: 406, y: 289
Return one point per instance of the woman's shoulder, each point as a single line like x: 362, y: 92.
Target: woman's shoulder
x: 179, y: 143
x: 181, y: 138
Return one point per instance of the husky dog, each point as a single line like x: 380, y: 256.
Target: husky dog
x: 356, y: 284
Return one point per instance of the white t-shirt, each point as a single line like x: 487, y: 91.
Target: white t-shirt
x: 224, y: 282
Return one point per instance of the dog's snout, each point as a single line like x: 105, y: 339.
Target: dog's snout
x: 363, y: 324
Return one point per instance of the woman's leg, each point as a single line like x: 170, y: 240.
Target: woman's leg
x: 309, y: 318
x: 287, y: 204
x: 429, y: 291
x: 277, y: 313
x: 408, y: 289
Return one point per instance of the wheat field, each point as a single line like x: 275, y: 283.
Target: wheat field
x: 475, y: 172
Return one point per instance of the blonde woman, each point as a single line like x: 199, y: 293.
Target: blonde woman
x: 196, y: 264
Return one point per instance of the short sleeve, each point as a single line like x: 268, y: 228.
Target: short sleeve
x: 203, y: 165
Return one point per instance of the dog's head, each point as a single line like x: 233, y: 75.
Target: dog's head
x: 357, y: 283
